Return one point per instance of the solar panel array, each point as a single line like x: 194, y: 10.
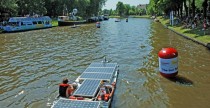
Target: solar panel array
x: 66, y: 103
x: 92, y: 77
x: 100, y: 71
x: 99, y: 76
x: 103, y: 65
x: 88, y: 88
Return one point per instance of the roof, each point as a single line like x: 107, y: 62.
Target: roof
x: 19, y: 19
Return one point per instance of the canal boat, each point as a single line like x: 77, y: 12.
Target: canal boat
x: 65, y: 21
x: 27, y: 23
x: 106, y: 17
x: 95, y: 87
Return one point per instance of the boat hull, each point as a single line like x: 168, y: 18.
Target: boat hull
x: 69, y: 23
x: 20, y: 29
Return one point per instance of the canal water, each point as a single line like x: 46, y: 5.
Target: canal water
x: 33, y: 63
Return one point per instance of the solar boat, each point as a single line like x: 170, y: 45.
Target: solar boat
x: 95, y: 87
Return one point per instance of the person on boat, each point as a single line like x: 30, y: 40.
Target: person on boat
x: 65, y: 89
x: 106, y: 92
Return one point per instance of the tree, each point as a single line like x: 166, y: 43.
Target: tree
x: 8, y: 6
x: 127, y: 8
x: 193, y: 7
x: 120, y: 8
x: 205, y: 5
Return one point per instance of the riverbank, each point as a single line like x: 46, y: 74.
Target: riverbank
x: 197, y: 34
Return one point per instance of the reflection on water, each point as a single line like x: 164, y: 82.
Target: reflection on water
x: 33, y: 63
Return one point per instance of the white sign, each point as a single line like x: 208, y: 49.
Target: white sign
x: 168, y: 66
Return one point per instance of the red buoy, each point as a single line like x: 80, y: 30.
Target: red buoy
x: 168, y: 62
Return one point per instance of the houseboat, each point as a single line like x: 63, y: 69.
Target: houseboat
x: 27, y: 23
x: 95, y: 87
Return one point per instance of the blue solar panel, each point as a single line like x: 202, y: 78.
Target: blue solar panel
x: 99, y: 70
x: 103, y: 65
x: 88, y: 88
x: 66, y: 103
x: 98, y: 76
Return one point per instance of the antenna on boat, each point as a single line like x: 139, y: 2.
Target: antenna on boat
x: 104, y: 61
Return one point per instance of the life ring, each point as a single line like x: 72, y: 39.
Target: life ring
x: 106, y: 97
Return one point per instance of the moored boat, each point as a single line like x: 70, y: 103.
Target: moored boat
x: 95, y: 87
x: 65, y: 21
x: 27, y: 23
x: 106, y: 17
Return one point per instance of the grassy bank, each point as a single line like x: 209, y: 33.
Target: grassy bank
x: 54, y: 23
x: 142, y: 16
x: 196, y: 34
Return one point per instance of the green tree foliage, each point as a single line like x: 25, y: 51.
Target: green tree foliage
x: 51, y: 7
x: 165, y: 6
x: 198, y: 4
x: 127, y: 9
x: 120, y: 8
x: 8, y: 6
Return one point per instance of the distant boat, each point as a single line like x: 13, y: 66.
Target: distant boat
x: 27, y: 23
x: 117, y: 20
x: 106, y: 17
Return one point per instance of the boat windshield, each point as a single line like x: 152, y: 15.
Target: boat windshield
x: 13, y: 23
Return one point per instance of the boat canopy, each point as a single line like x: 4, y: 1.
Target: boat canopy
x: 19, y: 19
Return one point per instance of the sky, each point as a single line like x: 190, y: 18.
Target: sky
x: 111, y: 4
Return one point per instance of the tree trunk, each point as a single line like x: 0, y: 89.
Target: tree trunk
x: 193, y: 8
x: 189, y: 9
x: 181, y: 9
x: 205, y: 5
x: 186, y: 8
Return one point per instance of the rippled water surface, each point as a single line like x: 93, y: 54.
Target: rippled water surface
x: 33, y: 63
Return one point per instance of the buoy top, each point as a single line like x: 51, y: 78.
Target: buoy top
x: 167, y: 53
